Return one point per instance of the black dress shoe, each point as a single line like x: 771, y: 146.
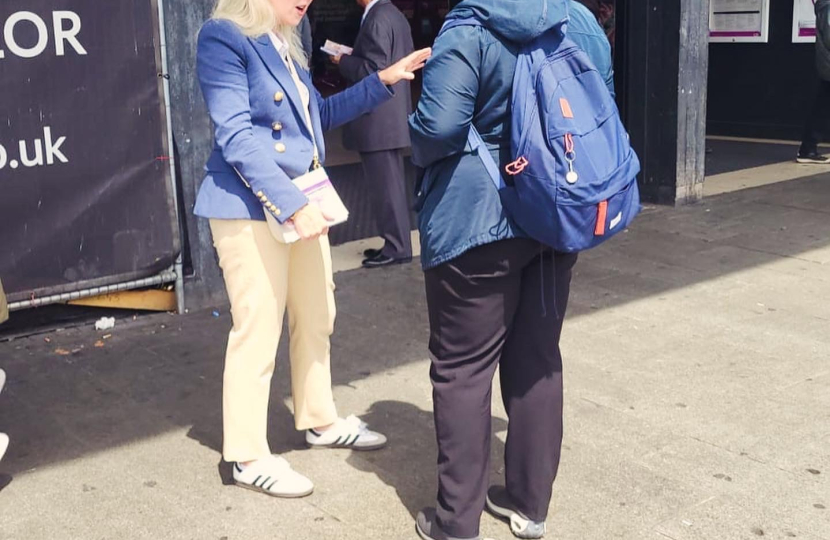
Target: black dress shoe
x: 382, y: 260
x: 371, y: 253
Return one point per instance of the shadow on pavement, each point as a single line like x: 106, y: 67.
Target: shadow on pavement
x: 731, y: 155
x: 408, y: 465
x: 5, y: 480
x: 72, y: 393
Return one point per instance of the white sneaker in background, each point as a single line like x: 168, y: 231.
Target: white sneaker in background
x: 4, y: 445
x: 348, y: 433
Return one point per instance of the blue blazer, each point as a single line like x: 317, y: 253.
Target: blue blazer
x: 260, y: 127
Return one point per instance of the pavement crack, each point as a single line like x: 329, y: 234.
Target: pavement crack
x: 804, y: 381
x: 324, y: 511
x: 727, y: 450
x: 600, y: 405
x: 774, y: 254
x: 793, y: 207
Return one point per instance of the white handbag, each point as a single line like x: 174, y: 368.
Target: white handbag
x: 317, y: 186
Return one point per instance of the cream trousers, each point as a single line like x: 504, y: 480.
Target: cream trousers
x: 264, y: 278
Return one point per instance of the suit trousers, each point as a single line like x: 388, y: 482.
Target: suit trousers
x: 4, y: 305
x: 386, y: 178
x: 264, y: 278
x: 502, y: 306
x: 817, y: 128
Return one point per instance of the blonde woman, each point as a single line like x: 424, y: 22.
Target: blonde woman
x: 269, y: 123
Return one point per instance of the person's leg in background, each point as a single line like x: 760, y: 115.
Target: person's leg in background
x: 4, y: 439
x: 531, y: 386
x: 471, y: 301
x: 311, y: 314
x: 4, y: 305
x: 817, y: 128
x: 385, y: 175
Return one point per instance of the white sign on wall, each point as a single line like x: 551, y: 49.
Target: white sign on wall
x: 65, y: 27
x: 804, y: 21
x: 739, y: 21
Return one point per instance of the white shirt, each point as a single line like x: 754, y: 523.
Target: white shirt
x: 305, y: 94
x: 368, y: 9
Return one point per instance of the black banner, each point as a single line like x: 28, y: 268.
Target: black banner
x: 85, y: 189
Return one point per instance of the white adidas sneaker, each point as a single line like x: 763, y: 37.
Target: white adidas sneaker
x: 348, y: 433
x: 273, y: 476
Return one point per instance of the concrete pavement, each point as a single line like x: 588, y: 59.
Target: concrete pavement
x: 697, y: 358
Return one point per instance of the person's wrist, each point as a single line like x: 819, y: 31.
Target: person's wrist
x: 384, y: 77
x: 297, y: 214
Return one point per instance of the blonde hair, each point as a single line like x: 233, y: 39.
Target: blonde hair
x: 256, y: 18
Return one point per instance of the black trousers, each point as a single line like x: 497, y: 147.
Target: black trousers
x: 817, y: 128
x: 500, y: 305
x: 386, y: 178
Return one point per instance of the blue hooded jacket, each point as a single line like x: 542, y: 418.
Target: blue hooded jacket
x: 585, y: 31
x: 469, y: 79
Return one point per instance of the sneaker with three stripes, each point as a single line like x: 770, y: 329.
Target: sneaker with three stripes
x: 273, y: 476
x: 348, y: 433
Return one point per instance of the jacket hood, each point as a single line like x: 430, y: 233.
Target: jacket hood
x: 519, y: 21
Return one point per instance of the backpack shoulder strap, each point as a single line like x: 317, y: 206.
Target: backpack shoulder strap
x: 474, y: 139
x: 477, y: 145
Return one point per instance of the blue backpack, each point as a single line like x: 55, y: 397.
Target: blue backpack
x: 575, y: 174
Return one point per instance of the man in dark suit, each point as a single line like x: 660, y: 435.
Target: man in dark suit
x: 385, y: 37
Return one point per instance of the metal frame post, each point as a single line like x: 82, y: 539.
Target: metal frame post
x: 179, y: 267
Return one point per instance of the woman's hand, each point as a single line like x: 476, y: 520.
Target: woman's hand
x: 310, y: 222
x: 405, y: 69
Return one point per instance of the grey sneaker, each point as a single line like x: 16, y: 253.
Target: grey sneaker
x: 813, y: 158
x: 500, y: 505
x: 427, y: 527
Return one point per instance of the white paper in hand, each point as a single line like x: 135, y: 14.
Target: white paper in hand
x: 317, y: 186
x: 335, y: 49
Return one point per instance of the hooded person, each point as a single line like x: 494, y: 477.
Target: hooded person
x: 586, y: 31
x: 817, y: 127
x: 487, y: 283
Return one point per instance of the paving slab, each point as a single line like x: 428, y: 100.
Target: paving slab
x: 697, y: 372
